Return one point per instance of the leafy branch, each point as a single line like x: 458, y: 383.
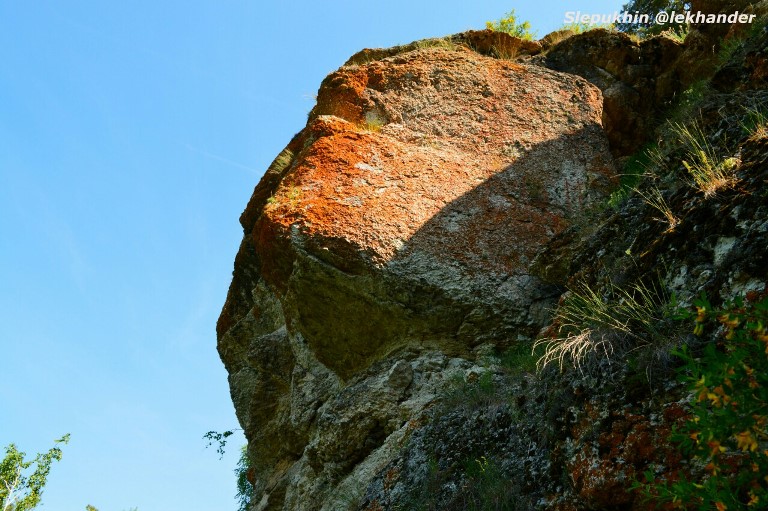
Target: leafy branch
x: 214, y: 437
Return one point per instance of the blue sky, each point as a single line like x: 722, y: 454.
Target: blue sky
x: 131, y: 137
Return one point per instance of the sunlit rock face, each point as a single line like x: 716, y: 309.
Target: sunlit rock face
x: 388, y: 245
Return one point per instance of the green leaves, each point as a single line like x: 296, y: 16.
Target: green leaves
x: 651, y: 8
x: 244, y: 487
x: 219, y: 438
x: 21, y: 490
x: 727, y: 432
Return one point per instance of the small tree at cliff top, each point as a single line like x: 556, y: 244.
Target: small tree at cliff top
x: 22, y: 482
x: 508, y: 24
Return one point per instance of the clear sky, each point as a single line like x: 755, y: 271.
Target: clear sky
x: 131, y: 137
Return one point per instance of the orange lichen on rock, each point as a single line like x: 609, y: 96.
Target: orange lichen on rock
x: 602, y: 470
x: 474, y: 158
x: 432, y: 173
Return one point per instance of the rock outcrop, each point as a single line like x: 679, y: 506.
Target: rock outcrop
x: 428, y: 218
x: 402, y: 218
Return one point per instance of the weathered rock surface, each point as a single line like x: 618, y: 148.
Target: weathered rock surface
x: 402, y: 229
x: 403, y: 217
x: 427, y: 218
x: 638, y: 79
x: 642, y: 79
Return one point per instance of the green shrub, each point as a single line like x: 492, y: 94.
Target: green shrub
x: 634, y: 169
x: 728, y: 426
x: 244, y: 494
x: 509, y: 25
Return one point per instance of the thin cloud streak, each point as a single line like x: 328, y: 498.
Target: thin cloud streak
x: 222, y: 159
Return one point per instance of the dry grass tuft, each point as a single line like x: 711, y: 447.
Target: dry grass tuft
x: 589, y: 323
x: 508, y: 51
x: 755, y: 122
x: 708, y: 172
x: 655, y: 199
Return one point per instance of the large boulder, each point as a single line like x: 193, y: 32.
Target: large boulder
x: 392, y: 238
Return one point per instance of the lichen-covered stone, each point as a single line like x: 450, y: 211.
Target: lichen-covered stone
x: 403, y: 217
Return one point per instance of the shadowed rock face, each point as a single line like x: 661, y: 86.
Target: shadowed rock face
x: 388, y: 241
x: 641, y: 80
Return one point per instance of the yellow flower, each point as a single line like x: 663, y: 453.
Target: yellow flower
x: 701, y: 314
x: 715, y: 447
x: 761, y: 332
x: 718, y: 396
x: 728, y: 321
x: 753, y: 499
x: 745, y: 441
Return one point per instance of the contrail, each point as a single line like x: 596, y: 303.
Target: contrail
x: 221, y: 159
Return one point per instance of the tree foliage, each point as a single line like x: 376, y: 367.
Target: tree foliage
x: 214, y: 437
x: 244, y: 494
x: 651, y: 8
x: 22, y: 481
x: 244, y: 486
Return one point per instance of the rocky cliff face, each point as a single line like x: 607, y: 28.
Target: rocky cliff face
x: 428, y: 218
